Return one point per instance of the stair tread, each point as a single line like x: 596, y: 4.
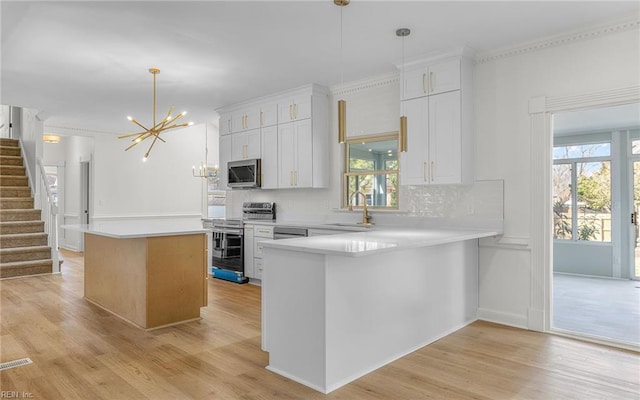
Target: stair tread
x: 32, y: 222
x: 24, y: 263
x: 24, y: 234
x: 25, y: 249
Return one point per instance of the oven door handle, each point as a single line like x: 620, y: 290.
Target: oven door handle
x: 232, y: 231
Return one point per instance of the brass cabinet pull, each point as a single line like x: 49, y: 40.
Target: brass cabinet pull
x: 431, y: 81
x: 290, y: 178
x: 424, y: 171
x: 261, y: 123
x: 291, y: 111
x: 295, y: 177
x: 432, y: 168
x: 424, y: 89
x: 295, y: 111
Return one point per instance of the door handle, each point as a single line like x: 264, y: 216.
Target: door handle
x: 431, y: 82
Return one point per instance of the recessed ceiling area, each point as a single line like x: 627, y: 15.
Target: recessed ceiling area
x: 85, y: 64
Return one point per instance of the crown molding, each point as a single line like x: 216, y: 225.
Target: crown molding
x: 365, y: 84
x: 558, y: 40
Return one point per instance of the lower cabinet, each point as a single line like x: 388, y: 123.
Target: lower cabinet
x: 254, y: 235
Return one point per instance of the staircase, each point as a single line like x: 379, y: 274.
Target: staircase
x: 23, y: 242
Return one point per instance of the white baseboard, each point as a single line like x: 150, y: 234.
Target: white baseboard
x: 515, y: 320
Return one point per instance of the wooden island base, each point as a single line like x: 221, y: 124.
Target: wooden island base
x: 149, y: 281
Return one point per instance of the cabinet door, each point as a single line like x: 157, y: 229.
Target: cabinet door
x: 238, y: 150
x: 237, y: 122
x: 414, y: 84
x: 286, y: 154
x: 225, y: 124
x: 252, y: 118
x: 445, y: 138
x: 414, y: 165
x: 303, y: 173
x: 302, y: 107
x: 293, y: 109
x: 224, y: 157
x: 444, y: 77
x: 269, y: 114
x: 249, y: 270
x: 252, y: 143
x: 285, y: 111
x: 269, y: 151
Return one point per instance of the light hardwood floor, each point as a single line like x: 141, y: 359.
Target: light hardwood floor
x: 82, y: 352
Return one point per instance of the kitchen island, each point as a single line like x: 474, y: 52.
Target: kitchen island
x: 150, y: 273
x: 338, y: 307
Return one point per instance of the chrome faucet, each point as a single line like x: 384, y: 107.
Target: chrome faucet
x: 366, y: 218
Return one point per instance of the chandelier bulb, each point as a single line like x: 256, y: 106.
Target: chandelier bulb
x: 190, y: 123
x: 129, y: 117
x: 183, y: 113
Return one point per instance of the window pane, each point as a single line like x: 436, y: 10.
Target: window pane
x: 373, y: 155
x: 635, y: 147
x: 594, y: 201
x: 562, y: 202
x: 582, y: 151
x: 381, y: 190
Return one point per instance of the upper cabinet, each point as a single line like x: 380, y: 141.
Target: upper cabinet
x: 437, y: 99
x: 426, y: 80
x: 288, y: 131
x: 294, y: 107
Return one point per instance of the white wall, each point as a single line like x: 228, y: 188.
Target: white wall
x: 505, y: 82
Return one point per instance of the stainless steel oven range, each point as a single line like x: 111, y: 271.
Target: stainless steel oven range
x: 227, y: 240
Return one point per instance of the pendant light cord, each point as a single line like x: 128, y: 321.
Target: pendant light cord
x: 341, y: 52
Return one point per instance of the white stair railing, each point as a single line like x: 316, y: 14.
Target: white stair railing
x: 49, y: 214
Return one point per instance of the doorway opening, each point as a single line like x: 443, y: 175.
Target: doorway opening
x: 595, y: 182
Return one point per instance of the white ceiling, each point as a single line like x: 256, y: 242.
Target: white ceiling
x: 85, y: 64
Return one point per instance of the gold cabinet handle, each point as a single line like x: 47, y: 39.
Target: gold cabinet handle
x: 261, y: 123
x: 424, y: 171
x: 295, y: 177
x: 431, y: 81
x: 431, y: 170
x: 291, y: 111
x: 290, y: 178
x: 295, y: 111
x: 424, y: 89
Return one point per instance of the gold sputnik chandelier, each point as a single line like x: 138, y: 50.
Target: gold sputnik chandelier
x: 168, y: 122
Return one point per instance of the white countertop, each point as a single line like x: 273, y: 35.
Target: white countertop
x: 139, y: 228
x: 382, y: 239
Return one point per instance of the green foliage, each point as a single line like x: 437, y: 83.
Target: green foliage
x: 587, y: 230
x: 595, y: 190
x: 561, y: 226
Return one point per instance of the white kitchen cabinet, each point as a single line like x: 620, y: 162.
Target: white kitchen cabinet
x: 294, y: 108
x: 269, y: 156
x: 440, y: 137
x: 224, y: 156
x: 302, y: 116
x: 247, y: 244
x: 245, y: 145
x: 295, y: 150
x: 434, y: 154
x: 260, y: 234
x: 225, y: 124
x: 431, y: 79
x: 268, y: 114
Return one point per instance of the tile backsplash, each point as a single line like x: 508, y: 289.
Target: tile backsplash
x: 480, y: 201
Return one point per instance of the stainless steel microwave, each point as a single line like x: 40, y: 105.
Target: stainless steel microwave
x: 244, y: 173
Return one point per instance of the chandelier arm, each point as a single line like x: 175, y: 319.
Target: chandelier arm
x: 139, y: 124
x: 132, y: 134
x: 132, y: 145
x: 150, y: 147
x: 175, y: 126
x: 157, y: 135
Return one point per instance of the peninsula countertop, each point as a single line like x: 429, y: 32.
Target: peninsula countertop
x: 139, y: 228
x: 380, y: 240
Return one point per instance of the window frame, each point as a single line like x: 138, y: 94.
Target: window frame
x: 344, y: 203
x: 573, y: 162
